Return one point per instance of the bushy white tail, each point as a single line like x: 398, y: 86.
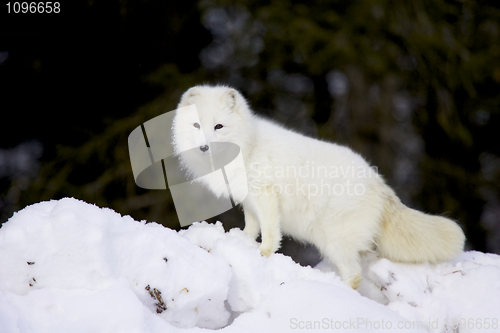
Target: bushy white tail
x: 411, y: 236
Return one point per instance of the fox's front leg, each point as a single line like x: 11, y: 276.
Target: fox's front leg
x: 263, y: 209
x: 252, y: 226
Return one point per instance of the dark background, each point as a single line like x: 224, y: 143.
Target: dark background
x: 414, y: 86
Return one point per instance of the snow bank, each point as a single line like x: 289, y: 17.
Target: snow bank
x: 68, y: 266
x: 463, y: 294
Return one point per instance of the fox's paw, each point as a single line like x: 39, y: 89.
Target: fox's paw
x: 355, y: 281
x: 266, y: 250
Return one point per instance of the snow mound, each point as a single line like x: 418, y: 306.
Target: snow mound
x: 458, y: 296
x: 69, y: 266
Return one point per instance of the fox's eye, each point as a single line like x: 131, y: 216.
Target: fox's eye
x: 218, y: 126
x: 196, y: 125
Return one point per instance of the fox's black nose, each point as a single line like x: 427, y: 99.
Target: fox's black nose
x: 204, y: 148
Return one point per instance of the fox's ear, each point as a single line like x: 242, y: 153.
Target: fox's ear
x: 187, y: 97
x: 191, y: 92
x: 230, y: 97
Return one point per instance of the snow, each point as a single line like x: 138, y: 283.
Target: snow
x: 69, y: 266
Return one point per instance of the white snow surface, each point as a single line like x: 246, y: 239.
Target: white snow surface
x: 69, y: 266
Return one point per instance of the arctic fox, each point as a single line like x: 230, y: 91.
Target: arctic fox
x: 312, y: 190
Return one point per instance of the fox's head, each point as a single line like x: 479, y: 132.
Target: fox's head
x: 221, y: 115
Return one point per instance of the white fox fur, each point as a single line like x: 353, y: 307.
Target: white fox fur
x: 312, y: 190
